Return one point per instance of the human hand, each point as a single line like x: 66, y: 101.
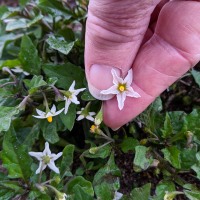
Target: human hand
x: 124, y: 34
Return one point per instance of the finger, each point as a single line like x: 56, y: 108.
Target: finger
x: 173, y: 49
x: 114, y: 32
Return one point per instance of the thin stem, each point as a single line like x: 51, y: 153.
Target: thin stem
x: 8, y: 83
x: 45, y: 102
x: 40, y: 176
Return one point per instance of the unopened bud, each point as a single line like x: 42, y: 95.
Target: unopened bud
x: 171, y: 195
x: 143, y: 141
x: 93, y: 150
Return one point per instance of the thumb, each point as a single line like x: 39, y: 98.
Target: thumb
x: 114, y: 32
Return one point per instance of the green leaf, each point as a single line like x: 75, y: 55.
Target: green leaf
x: 196, y: 76
x: 49, y: 131
x: 3, y: 9
x: 22, y: 3
x: 54, y: 7
x: 6, y: 194
x: 86, y: 96
x: 167, y: 131
x: 11, y: 185
x: 67, y: 160
x: 80, y: 194
x: 109, y: 170
x: 141, y: 193
x: 141, y: 159
x: 104, y: 191
x: 6, y: 115
x: 10, y: 63
x: 172, y: 154
x: 60, y: 44
x: 65, y: 74
x: 129, y: 144
x: 29, y: 56
x: 35, y: 20
x: 83, y: 183
x: 69, y: 118
x: 192, y: 195
x: 196, y: 168
x: 15, y: 157
x: 16, y: 24
x: 35, y: 83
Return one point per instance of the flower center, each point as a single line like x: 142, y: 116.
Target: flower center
x: 68, y: 94
x: 50, y: 119
x: 93, y: 129
x: 122, y: 87
x: 46, y: 159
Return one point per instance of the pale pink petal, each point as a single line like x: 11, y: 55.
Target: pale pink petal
x: 80, y: 117
x: 53, y: 167
x: 71, y: 88
x: 47, y: 151
x: 116, y: 78
x: 53, y: 109
x: 120, y: 99
x: 112, y: 90
x: 131, y: 93
x: 37, y: 155
x: 90, y: 118
x: 92, y: 113
x: 67, y: 103
x: 39, y: 112
x: 129, y: 78
x: 41, y: 165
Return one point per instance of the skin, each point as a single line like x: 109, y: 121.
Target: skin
x: 159, y: 40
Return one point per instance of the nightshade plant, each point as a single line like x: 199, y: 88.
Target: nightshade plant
x: 155, y: 156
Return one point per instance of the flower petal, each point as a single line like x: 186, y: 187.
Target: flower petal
x: 116, y: 78
x: 37, y: 155
x: 71, y: 88
x: 47, y: 151
x: 131, y: 93
x: 118, y: 195
x: 39, y: 112
x: 74, y: 99
x: 120, y: 99
x: 90, y: 118
x: 56, y: 156
x: 53, y: 109
x: 53, y: 167
x: 67, y: 103
x: 78, y: 112
x: 59, y: 111
x: 112, y: 90
x: 80, y: 117
x: 76, y: 92
x: 129, y: 78
x: 92, y: 113
x: 41, y: 165
x: 39, y: 117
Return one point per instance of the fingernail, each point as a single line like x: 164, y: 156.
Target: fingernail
x: 100, y: 78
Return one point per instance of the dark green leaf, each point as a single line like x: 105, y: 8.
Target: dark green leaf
x: 192, y: 195
x: 23, y: 2
x: 196, y: 76
x: 172, y: 154
x: 6, y: 115
x: 129, y: 144
x: 167, y: 131
x: 86, y: 96
x: 83, y: 183
x: 104, y: 191
x: 67, y: 160
x: 15, y: 157
x: 59, y: 43
x: 66, y: 74
x: 80, y: 194
x: 29, y: 56
x: 35, y: 83
x: 141, y: 193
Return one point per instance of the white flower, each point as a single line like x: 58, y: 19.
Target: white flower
x: 85, y: 114
x: 46, y: 158
x: 70, y: 96
x: 19, y: 70
x: 118, y: 195
x: 48, y: 114
x: 122, y: 88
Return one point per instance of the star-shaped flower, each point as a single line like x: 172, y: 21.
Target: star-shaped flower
x: 122, y: 88
x: 49, y: 114
x: 85, y: 114
x: 70, y: 96
x: 20, y: 70
x: 46, y: 158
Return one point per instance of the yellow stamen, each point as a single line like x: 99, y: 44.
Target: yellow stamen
x: 121, y: 88
x: 50, y: 119
x: 93, y: 128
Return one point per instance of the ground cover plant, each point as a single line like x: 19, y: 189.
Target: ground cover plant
x: 53, y: 142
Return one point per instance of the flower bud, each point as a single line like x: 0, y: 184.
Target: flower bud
x: 93, y: 150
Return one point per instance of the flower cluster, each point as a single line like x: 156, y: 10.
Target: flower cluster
x: 69, y: 96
